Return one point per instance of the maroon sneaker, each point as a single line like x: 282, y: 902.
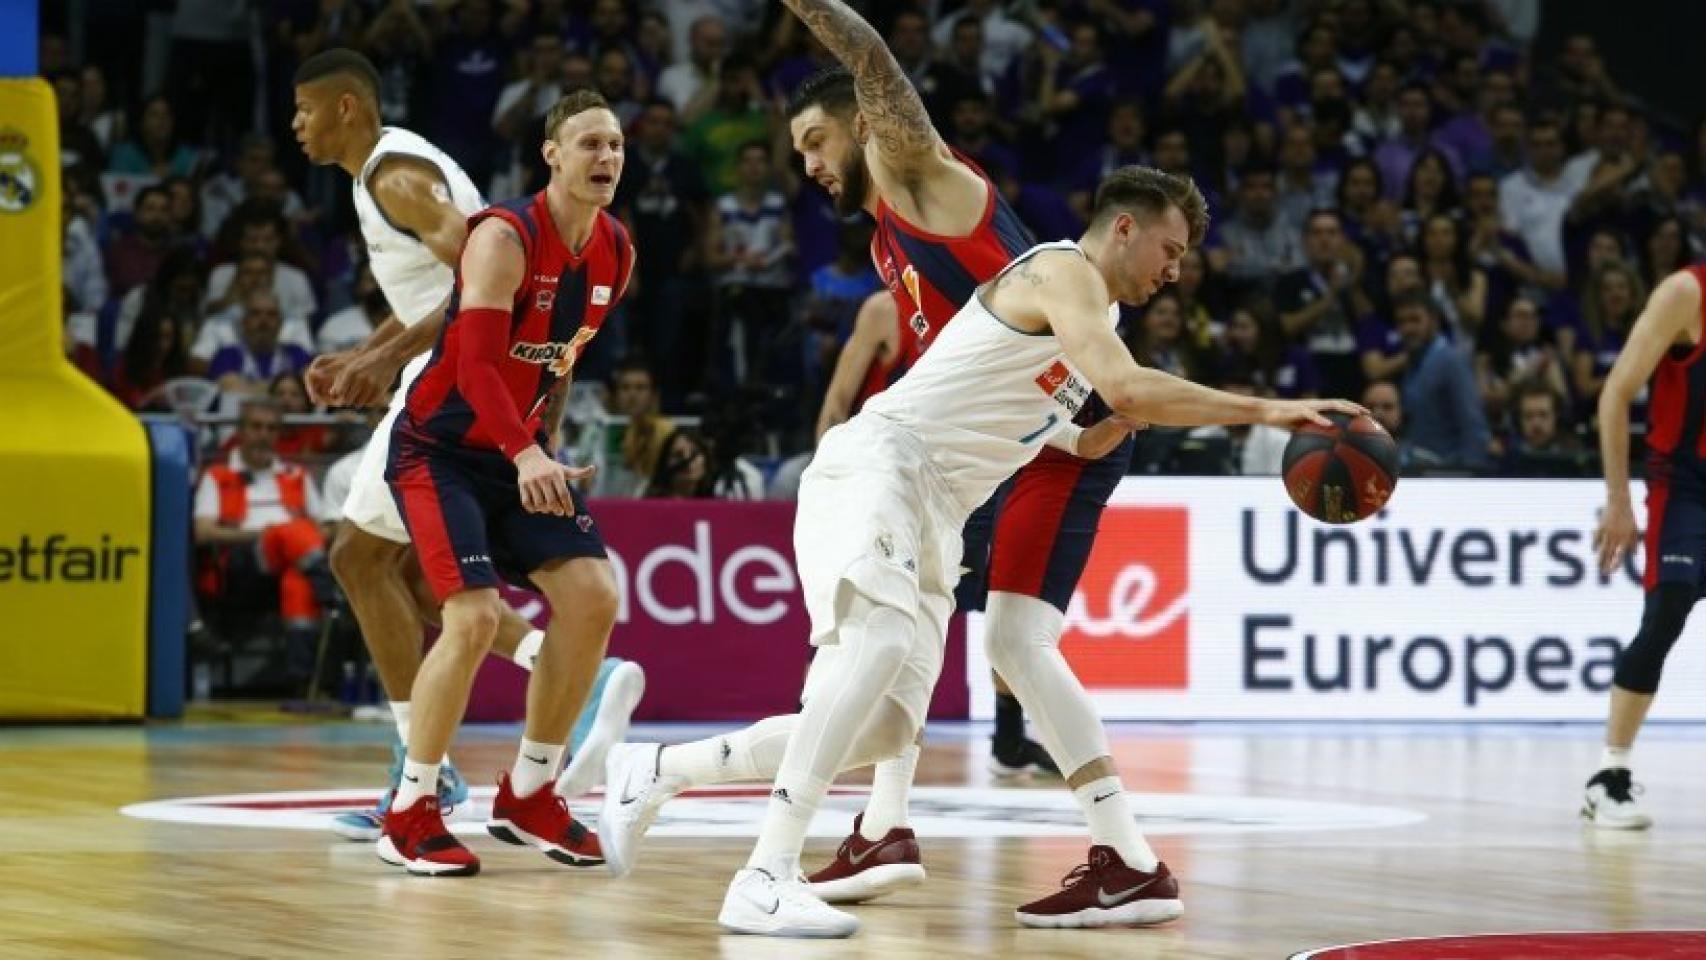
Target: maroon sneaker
x: 868, y: 869
x: 1106, y: 893
x: 417, y: 839
x: 542, y: 820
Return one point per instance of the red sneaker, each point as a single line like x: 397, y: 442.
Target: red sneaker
x: 1104, y: 892
x: 867, y: 869
x: 542, y: 820
x: 416, y: 838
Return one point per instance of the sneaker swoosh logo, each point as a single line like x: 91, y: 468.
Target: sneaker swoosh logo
x: 858, y: 859
x: 1107, y: 899
x: 775, y: 904
x: 538, y: 760
x: 1105, y: 796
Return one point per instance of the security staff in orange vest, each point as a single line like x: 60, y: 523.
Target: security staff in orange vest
x: 264, y: 514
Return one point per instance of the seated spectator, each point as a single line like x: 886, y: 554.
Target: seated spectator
x: 1318, y: 305
x: 133, y: 255
x: 1257, y: 245
x: 1258, y: 450
x: 1159, y: 340
x: 1302, y: 185
x: 1398, y: 155
x: 683, y: 468
x: 82, y: 274
x: 737, y: 116
x: 156, y: 149
x: 1611, y: 302
x: 351, y: 325
x: 1519, y: 353
x: 261, y: 232
x: 1429, y: 191
x: 159, y: 349
x: 1075, y: 91
x: 1501, y: 254
x: 634, y: 394
x: 183, y: 213
x: 1542, y: 446
x: 969, y: 132
x: 1442, y: 403
x: 1122, y: 147
x: 1385, y: 404
x: 221, y: 327
x: 246, y: 368
x: 298, y: 442
x: 1458, y: 287
x: 1275, y: 365
x: 750, y: 243
x: 261, y: 515
x: 691, y: 84
x: 1368, y: 219
x: 225, y: 192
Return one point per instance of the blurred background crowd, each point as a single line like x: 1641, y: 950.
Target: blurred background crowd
x: 1412, y: 207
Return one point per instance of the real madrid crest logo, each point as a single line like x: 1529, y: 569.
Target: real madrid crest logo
x: 19, y: 179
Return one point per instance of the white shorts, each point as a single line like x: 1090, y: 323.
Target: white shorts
x: 874, y: 520
x: 369, y: 504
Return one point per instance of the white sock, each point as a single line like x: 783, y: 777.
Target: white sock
x: 792, y: 806
x: 535, y: 766
x: 890, y: 787
x: 527, y: 651
x: 1111, y: 823
x: 400, y: 711
x: 753, y: 753
x: 1613, y: 758
x: 419, y: 780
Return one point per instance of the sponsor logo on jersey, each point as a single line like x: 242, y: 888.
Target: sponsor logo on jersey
x: 1064, y: 386
x: 1128, y: 623
x: 556, y: 356
x: 600, y: 295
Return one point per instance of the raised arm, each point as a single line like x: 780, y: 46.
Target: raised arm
x: 900, y: 128
x: 1671, y: 314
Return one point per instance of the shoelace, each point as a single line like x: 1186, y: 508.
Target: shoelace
x: 1621, y: 788
x: 1078, y: 875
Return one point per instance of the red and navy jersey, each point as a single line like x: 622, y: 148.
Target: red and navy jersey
x: 932, y: 276
x: 562, y: 302
x: 1676, y: 408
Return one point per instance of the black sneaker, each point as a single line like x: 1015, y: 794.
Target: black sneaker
x: 1609, y: 801
x: 1019, y: 758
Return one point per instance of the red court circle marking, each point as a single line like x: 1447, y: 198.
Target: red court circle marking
x: 1631, y: 945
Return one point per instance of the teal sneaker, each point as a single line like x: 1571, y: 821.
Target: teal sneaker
x: 603, y: 724
x: 370, y: 824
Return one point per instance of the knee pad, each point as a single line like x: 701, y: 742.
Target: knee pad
x: 1662, y: 620
x: 890, y: 730
x: 1015, y: 627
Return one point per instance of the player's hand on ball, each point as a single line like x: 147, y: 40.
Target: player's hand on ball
x: 1616, y: 535
x: 1291, y: 414
x: 544, y: 483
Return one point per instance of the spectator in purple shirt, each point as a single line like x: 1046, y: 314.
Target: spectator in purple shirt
x: 247, y: 367
x: 1397, y: 155
x: 1124, y: 146
x: 1076, y: 90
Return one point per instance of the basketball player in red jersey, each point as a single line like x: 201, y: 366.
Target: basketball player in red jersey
x: 1665, y: 346
x: 875, y: 355
x: 480, y: 494
x: 942, y: 229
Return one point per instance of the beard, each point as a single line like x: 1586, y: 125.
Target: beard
x: 855, y: 178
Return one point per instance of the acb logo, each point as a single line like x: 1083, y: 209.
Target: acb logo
x: 1128, y: 624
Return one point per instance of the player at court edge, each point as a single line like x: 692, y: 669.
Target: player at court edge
x: 1664, y: 347
x: 412, y: 201
x: 482, y: 497
x: 877, y: 542
x: 942, y: 228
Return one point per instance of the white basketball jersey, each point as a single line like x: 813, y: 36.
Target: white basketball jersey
x: 414, y: 281
x: 985, y: 397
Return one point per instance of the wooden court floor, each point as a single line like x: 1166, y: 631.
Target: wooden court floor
x: 1453, y: 830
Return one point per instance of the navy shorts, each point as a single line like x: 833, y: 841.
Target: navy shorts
x: 1676, y: 526
x: 1034, y: 535
x: 463, y: 511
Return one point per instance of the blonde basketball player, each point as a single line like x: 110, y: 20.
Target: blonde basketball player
x: 413, y: 202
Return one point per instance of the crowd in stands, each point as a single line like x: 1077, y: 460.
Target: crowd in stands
x: 1408, y: 208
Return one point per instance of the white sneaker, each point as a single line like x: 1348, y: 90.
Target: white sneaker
x: 622, y: 693
x: 758, y: 903
x: 633, y: 794
x: 1610, y: 801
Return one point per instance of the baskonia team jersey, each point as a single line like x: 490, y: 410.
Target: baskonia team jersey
x: 559, y: 307
x: 1677, y: 404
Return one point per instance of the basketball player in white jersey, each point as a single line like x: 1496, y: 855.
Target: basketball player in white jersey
x: 877, y: 540
x: 413, y: 202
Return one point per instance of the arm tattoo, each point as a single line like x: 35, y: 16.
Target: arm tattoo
x: 1023, y: 272
x: 887, y: 99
